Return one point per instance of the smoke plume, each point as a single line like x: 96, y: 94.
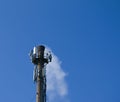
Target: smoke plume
x: 56, y: 84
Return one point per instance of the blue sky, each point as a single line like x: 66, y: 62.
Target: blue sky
x: 84, y: 34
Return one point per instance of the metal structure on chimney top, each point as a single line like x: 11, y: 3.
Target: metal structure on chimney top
x: 40, y: 59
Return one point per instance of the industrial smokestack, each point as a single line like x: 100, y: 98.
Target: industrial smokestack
x: 39, y: 60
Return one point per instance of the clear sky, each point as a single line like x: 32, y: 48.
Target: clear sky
x: 84, y: 34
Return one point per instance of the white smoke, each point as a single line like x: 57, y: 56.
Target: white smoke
x: 56, y: 84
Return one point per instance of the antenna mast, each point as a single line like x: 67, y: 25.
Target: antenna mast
x: 40, y: 59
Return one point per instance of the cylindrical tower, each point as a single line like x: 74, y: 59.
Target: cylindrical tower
x: 39, y: 60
